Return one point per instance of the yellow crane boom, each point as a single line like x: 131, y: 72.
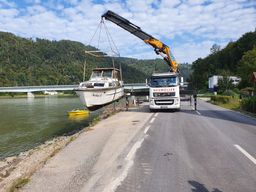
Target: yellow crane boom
x: 159, y: 47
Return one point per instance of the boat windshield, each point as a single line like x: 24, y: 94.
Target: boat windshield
x: 96, y: 74
x: 107, y: 74
x: 163, y: 81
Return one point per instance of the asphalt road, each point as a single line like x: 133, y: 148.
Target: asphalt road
x: 209, y: 150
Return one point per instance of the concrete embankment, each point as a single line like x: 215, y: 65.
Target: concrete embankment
x: 92, y: 158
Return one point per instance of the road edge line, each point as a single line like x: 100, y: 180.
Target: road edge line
x: 146, y: 129
x: 198, y: 112
x: 152, y: 120
x: 246, y: 153
x: 129, y: 158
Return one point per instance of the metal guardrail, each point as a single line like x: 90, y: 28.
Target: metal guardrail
x: 23, y: 89
x: 37, y: 88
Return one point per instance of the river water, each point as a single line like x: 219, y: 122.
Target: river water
x: 28, y: 122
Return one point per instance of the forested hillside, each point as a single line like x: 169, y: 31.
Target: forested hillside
x: 237, y: 58
x: 43, y: 62
x: 155, y: 65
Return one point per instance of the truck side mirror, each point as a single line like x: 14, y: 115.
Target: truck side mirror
x: 148, y: 81
x: 181, y: 81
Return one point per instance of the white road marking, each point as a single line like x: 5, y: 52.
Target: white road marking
x: 198, y: 112
x: 155, y: 114
x: 133, y: 150
x: 152, y: 120
x: 113, y: 186
x: 129, y: 158
x: 130, y: 161
x: 146, y: 129
x: 246, y: 154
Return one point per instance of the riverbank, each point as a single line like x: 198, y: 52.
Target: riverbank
x: 15, y: 171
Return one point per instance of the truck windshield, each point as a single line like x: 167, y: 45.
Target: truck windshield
x: 163, y: 81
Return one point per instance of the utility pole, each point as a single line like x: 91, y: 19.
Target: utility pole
x: 84, y: 70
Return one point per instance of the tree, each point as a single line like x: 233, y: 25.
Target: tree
x: 227, y: 59
x: 247, y: 66
x: 215, y: 48
x: 224, y: 85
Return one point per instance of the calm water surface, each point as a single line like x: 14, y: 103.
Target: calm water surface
x: 25, y: 123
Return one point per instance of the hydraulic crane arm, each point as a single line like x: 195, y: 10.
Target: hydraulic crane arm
x: 159, y: 47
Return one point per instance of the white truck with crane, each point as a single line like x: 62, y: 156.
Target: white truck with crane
x: 164, y: 88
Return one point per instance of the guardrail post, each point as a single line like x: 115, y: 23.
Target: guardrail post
x: 195, y: 101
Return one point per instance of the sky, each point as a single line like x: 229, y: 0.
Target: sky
x: 188, y: 27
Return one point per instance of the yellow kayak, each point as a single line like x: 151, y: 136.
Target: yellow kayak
x: 78, y: 112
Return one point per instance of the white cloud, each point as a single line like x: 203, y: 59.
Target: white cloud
x: 7, y: 3
x: 191, y: 27
x: 169, y: 4
x: 9, y: 13
x: 72, y: 2
x: 36, y: 9
x: 196, y: 2
x: 196, y: 50
x: 33, y: 1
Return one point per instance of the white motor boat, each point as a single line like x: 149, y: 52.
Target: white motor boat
x: 104, y: 86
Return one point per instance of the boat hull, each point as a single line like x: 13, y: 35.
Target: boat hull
x: 95, y: 98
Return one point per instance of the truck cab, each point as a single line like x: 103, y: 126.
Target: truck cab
x: 164, y: 91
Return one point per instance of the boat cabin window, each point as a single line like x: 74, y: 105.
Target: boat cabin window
x: 107, y: 74
x: 99, y: 84
x: 96, y: 74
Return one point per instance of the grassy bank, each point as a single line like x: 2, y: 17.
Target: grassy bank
x: 231, y: 103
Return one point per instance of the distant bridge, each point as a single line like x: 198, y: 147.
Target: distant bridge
x: 134, y: 88
x: 26, y: 89
x: 137, y: 88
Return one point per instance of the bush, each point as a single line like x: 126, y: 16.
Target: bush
x: 249, y: 104
x: 221, y: 99
x: 230, y: 93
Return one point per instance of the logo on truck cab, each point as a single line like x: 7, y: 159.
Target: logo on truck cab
x: 163, y: 90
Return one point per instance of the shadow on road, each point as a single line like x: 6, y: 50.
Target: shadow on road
x: 211, y: 113
x: 224, y: 115
x: 198, y: 187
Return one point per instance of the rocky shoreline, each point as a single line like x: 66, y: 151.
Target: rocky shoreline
x: 22, y: 166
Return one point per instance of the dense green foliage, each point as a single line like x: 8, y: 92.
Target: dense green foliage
x: 220, y: 99
x: 43, y: 62
x: 155, y: 65
x: 225, y: 85
x: 39, y: 62
x: 246, y: 66
x: 237, y: 58
x: 249, y: 104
